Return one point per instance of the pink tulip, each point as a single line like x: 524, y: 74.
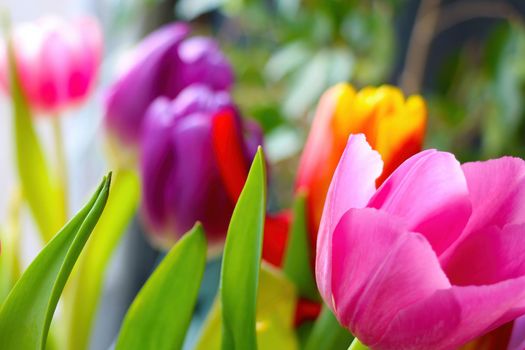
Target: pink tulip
x: 57, y: 61
x: 431, y: 259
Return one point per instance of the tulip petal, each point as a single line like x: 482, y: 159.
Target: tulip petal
x: 321, y: 148
x: 229, y: 151
x: 497, y: 190
x: 276, y: 227
x: 496, y: 339
x: 517, y: 339
x: 488, y: 256
x: 352, y: 186
x: 204, y: 63
x: 379, y: 265
x: 157, y: 162
x: 400, y: 135
x: 129, y: 98
x: 451, y: 317
x: 430, y: 192
x: 195, y: 192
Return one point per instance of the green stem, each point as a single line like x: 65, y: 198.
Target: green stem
x: 61, y: 164
x: 357, y: 345
x: 327, y: 333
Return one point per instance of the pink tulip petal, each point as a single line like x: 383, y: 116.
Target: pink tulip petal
x: 379, y: 265
x: 352, y: 186
x: 86, y: 51
x: 488, y: 256
x: 353, y: 260
x: 497, y: 191
x: 454, y: 316
x: 430, y: 192
x: 28, y: 42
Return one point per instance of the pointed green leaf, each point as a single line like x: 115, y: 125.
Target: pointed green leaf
x: 26, y: 314
x: 327, y: 333
x: 276, y: 302
x: 88, y: 278
x: 241, y: 261
x: 162, y: 311
x: 297, y: 263
x: 357, y: 345
x: 41, y: 191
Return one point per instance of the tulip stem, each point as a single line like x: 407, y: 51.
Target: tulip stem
x: 60, y: 159
x: 357, y: 345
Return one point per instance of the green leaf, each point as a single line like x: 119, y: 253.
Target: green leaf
x: 327, y: 333
x: 10, y: 269
x: 297, y: 263
x: 88, y: 277
x: 241, y: 261
x: 26, y: 314
x: 357, y: 345
x: 162, y: 311
x: 41, y: 191
x: 276, y: 302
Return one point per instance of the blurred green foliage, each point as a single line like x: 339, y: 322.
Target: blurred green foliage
x: 286, y: 53
x: 476, y: 105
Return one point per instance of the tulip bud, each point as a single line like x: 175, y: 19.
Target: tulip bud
x: 163, y: 64
x: 195, y: 152
x: 393, y: 126
x: 56, y: 61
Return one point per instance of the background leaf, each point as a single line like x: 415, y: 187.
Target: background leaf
x: 88, y: 277
x: 241, y: 261
x: 328, y: 334
x: 297, y: 261
x: 10, y: 266
x: 41, y: 191
x: 26, y: 314
x: 162, y: 311
x: 276, y: 302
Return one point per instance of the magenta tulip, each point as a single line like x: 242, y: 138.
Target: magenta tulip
x: 163, y: 64
x: 57, y: 61
x: 431, y: 259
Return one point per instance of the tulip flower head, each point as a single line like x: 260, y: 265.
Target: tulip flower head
x: 163, y: 64
x: 56, y: 60
x: 195, y: 154
x: 432, y: 258
x: 394, y: 126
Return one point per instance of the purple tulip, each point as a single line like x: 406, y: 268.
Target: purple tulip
x: 163, y: 64
x: 183, y: 181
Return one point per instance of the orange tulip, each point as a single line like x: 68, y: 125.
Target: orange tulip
x: 394, y: 126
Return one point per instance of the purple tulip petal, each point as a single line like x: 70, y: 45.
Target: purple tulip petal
x: 130, y: 96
